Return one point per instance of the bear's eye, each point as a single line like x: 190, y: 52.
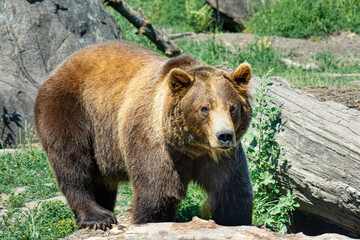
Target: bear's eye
x: 205, y: 110
x: 232, y: 109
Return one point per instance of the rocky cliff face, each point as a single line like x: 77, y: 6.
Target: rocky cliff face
x: 35, y: 36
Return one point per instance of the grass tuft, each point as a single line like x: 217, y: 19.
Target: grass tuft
x: 305, y: 18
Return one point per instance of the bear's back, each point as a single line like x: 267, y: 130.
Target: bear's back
x: 104, y: 66
x: 88, y: 85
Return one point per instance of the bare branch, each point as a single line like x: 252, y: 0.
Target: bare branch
x: 145, y: 27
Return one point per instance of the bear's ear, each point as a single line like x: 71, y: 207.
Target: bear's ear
x: 179, y: 80
x: 242, y: 74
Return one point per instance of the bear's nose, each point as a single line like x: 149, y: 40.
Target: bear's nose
x: 225, y: 137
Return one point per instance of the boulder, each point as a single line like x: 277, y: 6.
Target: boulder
x: 233, y: 12
x: 35, y: 36
x: 196, y: 229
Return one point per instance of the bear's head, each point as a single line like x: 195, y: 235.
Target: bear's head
x: 209, y: 110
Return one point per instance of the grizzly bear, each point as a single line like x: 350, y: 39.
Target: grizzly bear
x: 117, y: 111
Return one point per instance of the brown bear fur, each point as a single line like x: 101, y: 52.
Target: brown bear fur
x: 117, y: 111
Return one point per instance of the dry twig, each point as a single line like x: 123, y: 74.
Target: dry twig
x: 145, y: 27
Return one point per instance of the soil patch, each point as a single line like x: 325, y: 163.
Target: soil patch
x: 342, y: 44
x: 349, y: 97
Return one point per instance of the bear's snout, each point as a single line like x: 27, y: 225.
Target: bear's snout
x: 225, y: 138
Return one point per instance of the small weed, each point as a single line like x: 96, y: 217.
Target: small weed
x: 15, y: 200
x: 314, y: 38
x: 199, y: 15
x: 27, y: 137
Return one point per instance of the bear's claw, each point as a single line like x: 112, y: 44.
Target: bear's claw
x: 97, y: 221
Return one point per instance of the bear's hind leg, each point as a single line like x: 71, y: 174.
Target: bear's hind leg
x: 65, y: 130
x: 75, y: 175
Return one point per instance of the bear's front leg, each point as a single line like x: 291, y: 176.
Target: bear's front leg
x: 153, y: 206
x: 157, y: 190
x: 229, y: 189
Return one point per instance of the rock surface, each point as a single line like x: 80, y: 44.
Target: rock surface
x: 235, y: 10
x: 196, y: 229
x: 35, y: 36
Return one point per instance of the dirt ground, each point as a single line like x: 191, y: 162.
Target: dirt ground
x: 344, y: 45
x: 350, y: 97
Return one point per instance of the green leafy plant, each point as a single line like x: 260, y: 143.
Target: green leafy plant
x: 271, y: 207
x: 199, y: 15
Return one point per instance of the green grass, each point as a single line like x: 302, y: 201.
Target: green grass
x: 24, y: 168
x: 40, y: 192
x: 50, y: 220
x: 191, y: 205
x: 124, y: 196
x: 212, y: 52
x: 304, y: 18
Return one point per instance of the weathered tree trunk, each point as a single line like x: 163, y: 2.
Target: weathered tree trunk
x: 322, y: 143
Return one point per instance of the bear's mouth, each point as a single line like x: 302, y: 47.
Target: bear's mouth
x: 225, y: 147
x: 222, y: 146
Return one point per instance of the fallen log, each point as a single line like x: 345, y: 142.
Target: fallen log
x: 322, y: 143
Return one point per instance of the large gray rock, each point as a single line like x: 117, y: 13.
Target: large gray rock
x: 235, y: 11
x: 35, y: 36
x: 197, y: 229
